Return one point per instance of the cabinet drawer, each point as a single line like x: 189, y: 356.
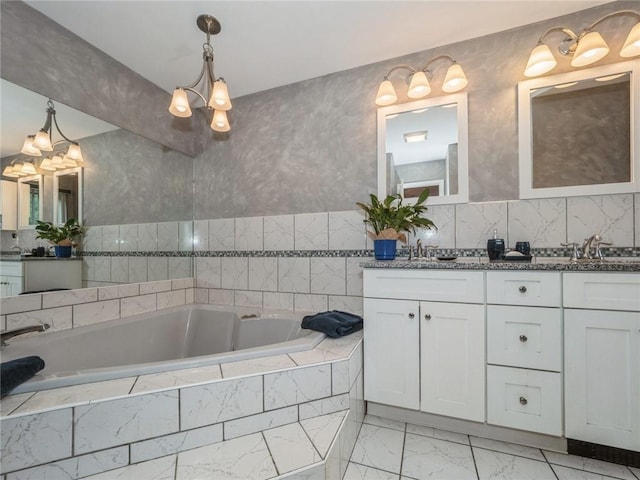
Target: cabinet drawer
x: 11, y: 269
x: 529, y: 337
x: 610, y: 291
x: 420, y: 284
x: 524, y: 399
x: 524, y: 288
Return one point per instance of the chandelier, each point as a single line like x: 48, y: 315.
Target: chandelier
x: 43, y: 141
x: 217, y: 96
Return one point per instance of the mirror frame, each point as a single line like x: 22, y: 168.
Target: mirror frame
x: 56, y: 185
x: 40, y: 178
x: 525, y: 133
x: 460, y: 99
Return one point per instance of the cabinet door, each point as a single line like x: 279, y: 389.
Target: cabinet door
x: 602, y: 377
x: 391, y: 352
x: 10, y: 286
x: 9, y: 205
x: 452, y: 371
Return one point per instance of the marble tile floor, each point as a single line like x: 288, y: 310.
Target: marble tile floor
x: 391, y: 450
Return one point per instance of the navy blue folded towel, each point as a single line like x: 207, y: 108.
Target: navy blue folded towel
x: 15, y: 372
x: 334, y: 323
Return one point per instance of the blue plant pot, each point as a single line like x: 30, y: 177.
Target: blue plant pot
x: 384, y: 249
x: 62, y: 251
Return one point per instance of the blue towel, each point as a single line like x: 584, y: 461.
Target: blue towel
x: 15, y: 372
x: 334, y: 323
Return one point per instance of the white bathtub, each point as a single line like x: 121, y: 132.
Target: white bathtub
x: 183, y: 337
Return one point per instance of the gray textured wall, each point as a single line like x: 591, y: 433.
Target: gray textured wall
x: 129, y: 179
x: 582, y: 137
x: 305, y: 147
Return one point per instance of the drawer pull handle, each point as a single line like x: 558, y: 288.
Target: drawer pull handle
x: 522, y: 289
x: 523, y: 338
x: 411, y: 315
x: 523, y: 401
x: 427, y: 316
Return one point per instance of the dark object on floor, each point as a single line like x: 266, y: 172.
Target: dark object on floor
x: 15, y: 372
x: 334, y: 323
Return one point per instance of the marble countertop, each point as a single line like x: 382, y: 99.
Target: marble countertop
x: 30, y: 258
x: 548, y: 264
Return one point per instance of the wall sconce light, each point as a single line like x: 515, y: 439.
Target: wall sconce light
x: 217, y: 98
x: 19, y: 169
x: 418, y: 80
x: 586, y: 48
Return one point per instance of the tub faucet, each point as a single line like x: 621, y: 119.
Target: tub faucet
x: 4, y: 336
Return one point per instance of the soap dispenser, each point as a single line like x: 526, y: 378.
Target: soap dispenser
x: 495, y: 246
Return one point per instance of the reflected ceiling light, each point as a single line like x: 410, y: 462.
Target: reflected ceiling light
x: 34, y: 145
x: 608, y: 78
x: 47, y: 165
x: 28, y: 169
x: 585, y: 48
x: 565, y: 85
x: 412, y: 137
x: 217, y: 95
x: 418, y: 80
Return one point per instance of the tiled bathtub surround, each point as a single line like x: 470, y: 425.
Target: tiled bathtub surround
x: 75, y: 432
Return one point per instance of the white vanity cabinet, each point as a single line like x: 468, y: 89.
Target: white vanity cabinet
x: 8, y: 205
x: 602, y: 358
x: 422, y: 329
x: 524, y: 351
x: 11, y: 278
x: 39, y: 274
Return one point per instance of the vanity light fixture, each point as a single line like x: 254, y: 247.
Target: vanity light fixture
x: 586, y: 48
x: 19, y: 169
x: 34, y: 145
x: 418, y: 79
x: 217, y: 98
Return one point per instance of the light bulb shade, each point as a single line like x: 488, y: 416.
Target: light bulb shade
x: 220, y: 96
x: 43, y: 141
x: 386, y: 94
x: 28, y: 168
x: 455, y: 79
x: 540, y: 61
x: 56, y: 162
x: 631, y: 47
x: 419, y: 86
x: 180, y: 104
x: 220, y: 123
x: 28, y: 148
x: 46, y: 165
x: 74, y: 152
x: 8, y: 172
x: 591, y: 48
x: 68, y: 162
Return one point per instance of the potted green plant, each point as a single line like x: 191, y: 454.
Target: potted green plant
x: 390, y: 218
x: 62, y: 236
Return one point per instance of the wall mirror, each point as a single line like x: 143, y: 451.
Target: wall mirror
x: 578, y: 133
x: 67, y: 195
x: 423, y: 145
x: 30, y: 201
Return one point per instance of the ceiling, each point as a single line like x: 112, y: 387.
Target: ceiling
x: 267, y: 44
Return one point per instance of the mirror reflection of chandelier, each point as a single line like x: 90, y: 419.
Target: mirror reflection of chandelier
x: 42, y: 141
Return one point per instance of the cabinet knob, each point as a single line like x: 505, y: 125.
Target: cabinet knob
x: 427, y: 316
x: 523, y: 338
x: 411, y: 315
x: 522, y: 289
x: 523, y: 401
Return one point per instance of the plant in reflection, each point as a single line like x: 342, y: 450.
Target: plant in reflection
x: 63, y: 235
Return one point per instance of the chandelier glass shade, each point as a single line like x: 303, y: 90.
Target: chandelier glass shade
x: 213, y: 93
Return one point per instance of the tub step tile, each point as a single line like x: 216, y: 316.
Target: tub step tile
x: 244, y: 457
x: 291, y: 448
x: 322, y: 430
x: 159, y: 469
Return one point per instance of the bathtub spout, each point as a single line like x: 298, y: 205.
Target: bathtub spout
x: 21, y: 331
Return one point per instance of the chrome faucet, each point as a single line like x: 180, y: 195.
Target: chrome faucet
x: 594, y: 242
x: 4, y: 336
x: 419, y: 251
x: 19, y: 248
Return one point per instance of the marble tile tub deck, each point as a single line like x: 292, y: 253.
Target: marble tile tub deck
x: 295, y: 415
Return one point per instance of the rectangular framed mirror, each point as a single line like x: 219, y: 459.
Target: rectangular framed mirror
x: 424, y: 145
x: 67, y: 195
x: 30, y: 201
x: 578, y: 132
